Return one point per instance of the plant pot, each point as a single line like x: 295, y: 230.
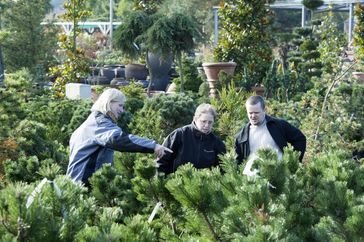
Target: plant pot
x: 135, y: 71
x: 108, y: 73
x: 258, y: 90
x: 212, y: 71
x: 119, y: 70
x: 99, y: 80
x: 359, y: 76
x: 159, y: 68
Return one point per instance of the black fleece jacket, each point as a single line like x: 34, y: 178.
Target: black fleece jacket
x: 282, y: 133
x: 191, y: 145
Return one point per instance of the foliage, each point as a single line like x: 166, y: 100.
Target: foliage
x: 10, y: 111
x: 111, y: 189
x: 244, y: 36
x: 135, y: 97
x: 28, y: 169
x: 134, y: 229
x: 126, y: 35
x: 147, y: 6
x: 330, y: 46
x: 286, y: 19
x: 312, y: 4
x: 49, y: 215
x: 304, y: 58
x: 61, y: 117
x: 123, y: 7
x: 320, y: 199
x: 231, y: 111
x: 171, y: 34
x: 75, y: 67
x: 108, y: 57
x: 201, y: 11
x: 100, y: 9
x: 162, y: 114
x: 358, y: 38
x: 192, y: 79
x: 8, y: 150
x: 29, y: 44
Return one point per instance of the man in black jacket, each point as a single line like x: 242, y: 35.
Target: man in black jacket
x: 264, y: 131
x: 194, y: 143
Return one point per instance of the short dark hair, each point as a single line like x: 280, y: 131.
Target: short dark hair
x: 255, y: 100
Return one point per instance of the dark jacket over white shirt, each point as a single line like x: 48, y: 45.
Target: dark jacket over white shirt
x: 282, y: 133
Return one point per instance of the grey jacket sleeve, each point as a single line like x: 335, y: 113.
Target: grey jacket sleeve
x: 112, y: 136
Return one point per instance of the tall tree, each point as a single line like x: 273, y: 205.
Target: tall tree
x: 200, y: 10
x: 29, y: 42
x: 75, y: 66
x: 245, y: 36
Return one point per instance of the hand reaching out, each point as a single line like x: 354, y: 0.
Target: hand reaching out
x: 160, y: 150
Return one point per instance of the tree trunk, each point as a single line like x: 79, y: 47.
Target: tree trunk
x: 150, y: 75
x: 180, y: 66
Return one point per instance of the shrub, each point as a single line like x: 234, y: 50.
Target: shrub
x: 162, y: 114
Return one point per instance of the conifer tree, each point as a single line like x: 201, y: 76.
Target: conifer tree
x: 29, y: 44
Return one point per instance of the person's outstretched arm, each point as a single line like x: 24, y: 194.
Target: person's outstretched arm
x: 110, y: 135
x: 166, y: 162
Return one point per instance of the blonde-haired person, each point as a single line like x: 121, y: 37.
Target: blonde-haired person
x: 93, y: 143
x: 194, y: 143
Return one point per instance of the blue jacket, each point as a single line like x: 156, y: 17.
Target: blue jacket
x: 282, y: 133
x: 93, y: 144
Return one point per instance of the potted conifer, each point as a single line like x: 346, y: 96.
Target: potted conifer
x: 150, y: 35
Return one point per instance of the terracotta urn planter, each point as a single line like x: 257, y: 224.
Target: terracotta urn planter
x: 212, y: 71
x: 258, y: 90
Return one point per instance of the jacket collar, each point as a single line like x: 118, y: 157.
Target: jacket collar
x: 101, y: 115
x: 197, y: 132
x: 245, y: 133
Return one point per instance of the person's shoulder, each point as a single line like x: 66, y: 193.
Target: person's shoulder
x: 279, y: 121
x: 242, y: 130
x: 271, y: 119
x: 179, y: 130
x: 103, y: 120
x: 186, y: 128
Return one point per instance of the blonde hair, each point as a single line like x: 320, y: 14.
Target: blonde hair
x: 102, y: 104
x: 205, y: 108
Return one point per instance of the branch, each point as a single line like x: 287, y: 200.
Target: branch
x: 327, y: 95
x: 210, y: 226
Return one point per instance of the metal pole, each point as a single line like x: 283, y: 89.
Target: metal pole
x: 304, y: 14
x: 351, y: 22
x: 216, y: 25
x: 111, y: 23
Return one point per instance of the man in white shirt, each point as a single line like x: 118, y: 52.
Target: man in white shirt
x: 264, y: 131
